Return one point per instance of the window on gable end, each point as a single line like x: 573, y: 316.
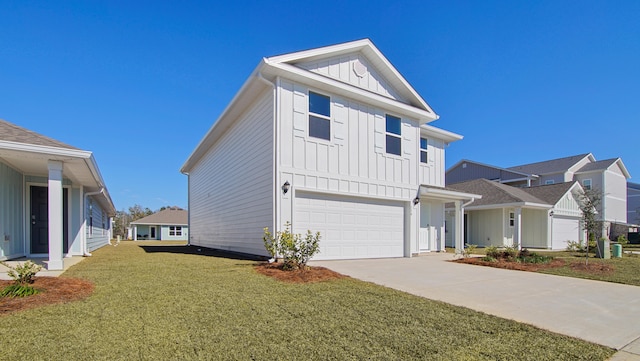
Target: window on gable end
x: 319, y: 116
x: 423, y: 150
x: 394, y: 136
x: 586, y: 184
x: 549, y: 181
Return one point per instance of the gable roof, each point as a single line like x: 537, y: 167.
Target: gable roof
x: 10, y: 132
x: 266, y: 74
x: 514, y: 172
x: 551, y: 166
x: 168, y: 217
x: 371, y: 53
x: 602, y: 165
x: 494, y: 193
x: 551, y: 193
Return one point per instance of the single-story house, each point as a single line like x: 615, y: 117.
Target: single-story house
x: 546, y: 216
x: 165, y: 225
x: 53, y: 200
x: 331, y: 139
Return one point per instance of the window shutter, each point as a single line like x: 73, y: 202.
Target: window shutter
x: 380, y: 130
x: 408, y: 143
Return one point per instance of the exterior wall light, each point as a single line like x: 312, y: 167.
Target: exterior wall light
x: 416, y: 200
x: 551, y: 214
x: 285, y: 187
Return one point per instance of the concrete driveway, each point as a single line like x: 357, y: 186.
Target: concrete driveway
x: 601, y: 312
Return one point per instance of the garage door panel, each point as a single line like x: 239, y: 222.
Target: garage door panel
x: 351, y: 227
x: 564, y: 230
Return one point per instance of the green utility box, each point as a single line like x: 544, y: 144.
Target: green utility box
x: 602, y: 249
x: 617, y: 251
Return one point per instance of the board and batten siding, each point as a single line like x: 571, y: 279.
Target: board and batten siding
x: 354, y: 161
x: 432, y: 173
x: 353, y: 69
x: 232, y: 186
x: 535, y: 223
x: 486, y: 227
x: 11, y: 212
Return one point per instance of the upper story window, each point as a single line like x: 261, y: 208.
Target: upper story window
x: 319, y: 116
x: 423, y: 150
x: 175, y: 230
x: 394, y: 138
x: 549, y: 181
x: 586, y: 184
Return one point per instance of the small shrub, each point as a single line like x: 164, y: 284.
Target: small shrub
x: 524, y: 253
x: 469, y: 249
x: 510, y: 253
x: 492, y: 251
x: 295, y: 250
x: 574, y: 246
x: 489, y: 259
x: 622, y: 239
x: 536, y: 258
x: 22, y: 275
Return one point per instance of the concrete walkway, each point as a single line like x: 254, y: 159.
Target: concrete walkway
x: 68, y: 262
x: 601, y: 312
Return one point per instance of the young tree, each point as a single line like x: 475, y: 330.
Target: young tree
x: 589, y: 201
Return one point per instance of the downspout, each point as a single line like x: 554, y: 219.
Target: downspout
x: 276, y: 189
x: 86, y: 253
x: 462, y: 215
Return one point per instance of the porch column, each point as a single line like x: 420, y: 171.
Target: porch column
x: 135, y: 233
x: 459, y: 226
x: 517, y: 228
x: 55, y: 216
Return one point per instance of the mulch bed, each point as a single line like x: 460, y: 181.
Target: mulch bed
x: 311, y: 274
x: 532, y: 267
x: 591, y: 268
x: 52, y: 290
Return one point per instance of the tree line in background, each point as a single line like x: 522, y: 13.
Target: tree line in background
x: 123, y: 218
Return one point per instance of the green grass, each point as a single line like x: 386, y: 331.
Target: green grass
x: 626, y: 270
x: 166, y: 304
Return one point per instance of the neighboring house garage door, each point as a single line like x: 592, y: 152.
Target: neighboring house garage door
x: 351, y: 227
x: 564, y: 230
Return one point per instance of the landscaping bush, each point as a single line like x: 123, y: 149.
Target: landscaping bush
x: 295, y: 250
x: 622, y: 239
x: 468, y: 250
x: 22, y: 275
x: 511, y: 254
x: 574, y: 246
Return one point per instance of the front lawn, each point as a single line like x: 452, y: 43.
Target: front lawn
x: 160, y: 302
x: 623, y: 270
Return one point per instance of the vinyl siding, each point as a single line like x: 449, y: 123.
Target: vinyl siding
x: 98, y: 235
x: 633, y: 204
x: 534, y: 228
x: 232, y: 186
x: 615, y: 197
x: 471, y: 171
x: 11, y: 213
x: 354, y: 161
x: 485, y: 227
x: 164, y: 234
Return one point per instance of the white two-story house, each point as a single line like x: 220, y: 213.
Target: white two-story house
x: 333, y: 140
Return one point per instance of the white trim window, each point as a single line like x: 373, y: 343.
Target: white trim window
x: 549, y: 181
x: 512, y: 219
x: 175, y: 230
x: 394, y: 135
x: 586, y: 184
x: 423, y: 150
x: 319, y: 116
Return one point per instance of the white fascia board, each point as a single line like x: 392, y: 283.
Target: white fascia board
x: 237, y: 106
x: 321, y: 82
x: 159, y: 224
x: 447, y: 194
x: 445, y: 135
x: 43, y: 149
x: 510, y: 205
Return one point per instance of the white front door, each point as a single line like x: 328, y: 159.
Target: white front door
x: 509, y: 226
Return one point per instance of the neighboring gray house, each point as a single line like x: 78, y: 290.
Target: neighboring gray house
x: 633, y: 203
x: 545, y: 216
x: 608, y: 176
x: 53, y: 200
x: 165, y: 225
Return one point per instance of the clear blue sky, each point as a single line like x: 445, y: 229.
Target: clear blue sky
x: 139, y: 83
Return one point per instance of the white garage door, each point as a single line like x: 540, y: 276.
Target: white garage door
x: 351, y: 227
x: 564, y: 230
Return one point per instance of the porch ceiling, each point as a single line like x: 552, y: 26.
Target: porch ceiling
x: 446, y: 194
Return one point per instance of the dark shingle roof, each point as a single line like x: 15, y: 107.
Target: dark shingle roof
x: 12, y: 133
x: 549, y: 166
x: 495, y: 193
x: 550, y: 193
x: 599, y: 165
x: 167, y: 217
